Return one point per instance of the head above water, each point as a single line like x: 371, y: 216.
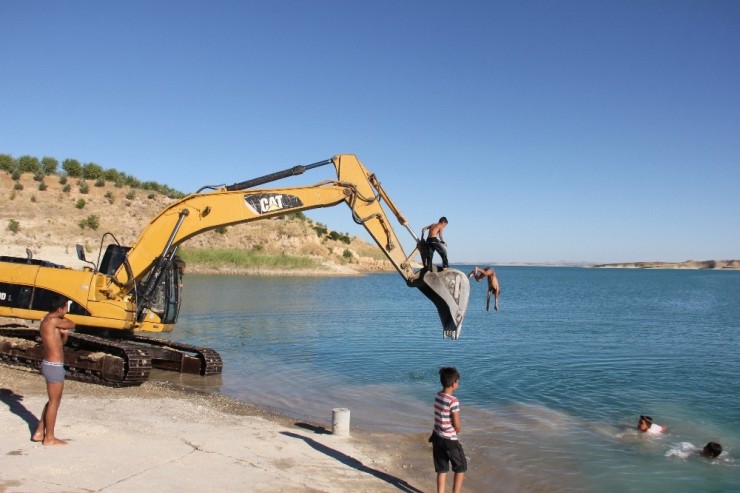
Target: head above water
x: 644, y: 423
x: 712, y: 450
x: 448, y: 376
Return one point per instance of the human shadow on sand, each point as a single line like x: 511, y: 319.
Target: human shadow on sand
x: 13, y: 401
x: 354, y: 463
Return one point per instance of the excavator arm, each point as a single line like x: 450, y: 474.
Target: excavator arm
x: 137, y: 289
x: 243, y: 202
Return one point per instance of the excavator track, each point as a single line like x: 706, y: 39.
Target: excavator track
x: 109, y: 361
x: 171, y: 355
x: 87, y: 358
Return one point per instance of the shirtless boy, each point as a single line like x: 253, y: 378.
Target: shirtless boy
x: 435, y: 242
x: 54, y: 331
x: 493, y: 288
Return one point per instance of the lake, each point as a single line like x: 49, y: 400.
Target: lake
x: 551, y: 385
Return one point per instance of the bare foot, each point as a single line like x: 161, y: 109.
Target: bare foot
x: 54, y: 441
x: 37, y: 437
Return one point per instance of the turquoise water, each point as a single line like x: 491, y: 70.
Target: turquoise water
x: 551, y: 385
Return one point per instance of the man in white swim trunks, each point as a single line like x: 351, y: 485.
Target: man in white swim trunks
x: 54, y: 332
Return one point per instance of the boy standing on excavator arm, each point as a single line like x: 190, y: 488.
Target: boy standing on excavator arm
x: 435, y: 242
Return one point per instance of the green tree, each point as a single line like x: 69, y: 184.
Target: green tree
x: 111, y: 174
x: 7, y: 163
x: 92, y: 171
x: 29, y: 164
x: 150, y: 185
x: 49, y: 165
x: 72, y: 167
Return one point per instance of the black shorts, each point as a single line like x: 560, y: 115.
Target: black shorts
x: 446, y: 451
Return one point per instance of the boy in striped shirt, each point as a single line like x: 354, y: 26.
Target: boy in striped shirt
x: 446, y: 448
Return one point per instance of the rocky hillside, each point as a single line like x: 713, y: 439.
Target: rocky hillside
x: 50, y: 219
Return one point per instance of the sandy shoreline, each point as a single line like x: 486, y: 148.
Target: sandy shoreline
x: 158, y: 438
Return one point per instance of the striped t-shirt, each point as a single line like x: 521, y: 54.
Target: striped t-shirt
x: 444, y: 406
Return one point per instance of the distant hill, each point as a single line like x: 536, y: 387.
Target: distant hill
x: 47, y: 220
x: 688, y: 264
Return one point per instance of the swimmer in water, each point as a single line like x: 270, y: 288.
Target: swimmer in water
x: 645, y: 425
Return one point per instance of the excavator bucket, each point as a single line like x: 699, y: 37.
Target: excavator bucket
x: 449, y: 290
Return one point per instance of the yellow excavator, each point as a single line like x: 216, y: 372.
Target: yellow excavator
x: 137, y: 289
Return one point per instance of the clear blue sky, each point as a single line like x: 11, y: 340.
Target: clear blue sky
x: 597, y: 131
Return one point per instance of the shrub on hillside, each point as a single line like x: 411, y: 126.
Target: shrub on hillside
x: 14, y: 226
x: 92, y: 221
x: 339, y: 237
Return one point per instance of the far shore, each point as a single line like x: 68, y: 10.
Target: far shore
x: 688, y: 264
x: 67, y: 257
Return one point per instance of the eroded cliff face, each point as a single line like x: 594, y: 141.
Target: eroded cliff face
x: 48, y: 222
